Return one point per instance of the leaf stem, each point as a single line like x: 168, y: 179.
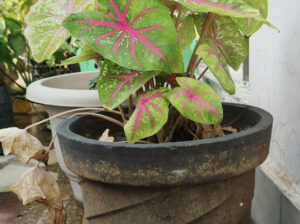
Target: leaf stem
x: 71, y: 111
x: 195, y: 65
x: 178, y: 17
x: 100, y: 116
x: 203, y: 73
x: 208, y: 19
x: 130, y: 105
x: 122, y: 113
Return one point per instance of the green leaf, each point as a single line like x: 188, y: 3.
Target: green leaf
x: 251, y: 25
x: 140, y: 31
x: 186, y: 33
x: 86, y: 54
x: 215, y: 62
x: 178, y: 65
x: 5, y: 55
x: 196, y: 101
x: 225, y: 36
x: 13, y: 25
x: 149, y: 116
x: 116, y: 84
x: 17, y: 43
x: 233, y: 8
x: 44, y: 31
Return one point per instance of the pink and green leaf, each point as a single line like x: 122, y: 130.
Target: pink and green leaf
x: 150, y: 115
x: 233, y: 8
x: 86, y: 53
x: 250, y: 25
x: 186, y: 33
x: 44, y: 31
x: 116, y: 84
x: 216, y: 64
x: 196, y: 101
x: 140, y: 31
x: 225, y: 36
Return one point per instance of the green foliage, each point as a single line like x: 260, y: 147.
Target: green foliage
x: 141, y: 43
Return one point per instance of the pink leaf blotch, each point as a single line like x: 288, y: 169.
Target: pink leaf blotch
x: 122, y: 26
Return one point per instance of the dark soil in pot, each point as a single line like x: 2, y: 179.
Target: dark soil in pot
x: 205, y: 181
x: 6, y: 114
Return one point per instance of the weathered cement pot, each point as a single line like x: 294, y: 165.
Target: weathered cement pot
x: 206, y: 181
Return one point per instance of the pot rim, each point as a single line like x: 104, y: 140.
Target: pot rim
x: 47, y: 91
x: 265, y: 121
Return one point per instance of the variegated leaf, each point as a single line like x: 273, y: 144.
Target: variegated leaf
x: 116, y: 84
x: 216, y: 64
x: 150, y: 115
x: 86, y: 54
x: 250, y: 25
x: 186, y: 33
x: 233, y: 8
x: 196, y: 101
x: 140, y: 31
x: 178, y: 65
x: 225, y: 36
x: 44, y: 31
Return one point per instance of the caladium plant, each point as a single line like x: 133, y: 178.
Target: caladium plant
x: 141, y: 44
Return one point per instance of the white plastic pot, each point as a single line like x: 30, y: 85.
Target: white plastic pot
x: 61, y: 93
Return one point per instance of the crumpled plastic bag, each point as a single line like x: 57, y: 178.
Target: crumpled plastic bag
x: 38, y: 185
x: 22, y: 144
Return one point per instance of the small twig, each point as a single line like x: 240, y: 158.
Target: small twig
x: 130, y: 105
x: 202, y: 74
x: 48, y: 149
x: 208, y: 19
x: 100, y: 116
x: 122, y: 113
x: 71, y: 111
x: 152, y: 83
x: 198, y: 129
x: 147, y: 86
x: 193, y: 134
x: 169, y: 138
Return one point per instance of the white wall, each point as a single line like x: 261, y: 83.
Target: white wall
x: 275, y: 86
x: 275, y: 81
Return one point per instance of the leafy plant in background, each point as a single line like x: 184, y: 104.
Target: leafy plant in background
x: 141, y: 44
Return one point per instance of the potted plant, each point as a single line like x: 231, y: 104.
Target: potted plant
x: 175, y: 154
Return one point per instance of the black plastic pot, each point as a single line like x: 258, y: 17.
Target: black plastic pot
x: 205, y: 181
x: 6, y: 114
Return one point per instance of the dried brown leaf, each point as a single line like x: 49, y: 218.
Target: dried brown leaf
x: 105, y: 137
x: 22, y: 144
x: 38, y: 185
